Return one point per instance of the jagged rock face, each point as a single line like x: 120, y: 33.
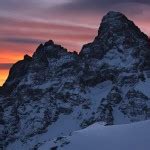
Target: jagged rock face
x: 118, y: 33
x: 55, y: 92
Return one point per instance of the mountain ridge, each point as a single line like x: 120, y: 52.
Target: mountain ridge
x: 107, y: 81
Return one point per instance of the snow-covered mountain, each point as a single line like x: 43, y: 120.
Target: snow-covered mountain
x: 56, y: 92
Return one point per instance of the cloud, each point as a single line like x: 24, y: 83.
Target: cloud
x: 29, y: 9
x: 51, y: 9
x: 101, y: 7
x: 5, y: 66
x: 99, y: 4
x: 11, y: 5
x: 20, y: 40
x: 78, y: 4
x: 26, y: 33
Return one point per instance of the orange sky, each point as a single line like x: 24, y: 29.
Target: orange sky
x: 71, y: 23
x: 4, y: 74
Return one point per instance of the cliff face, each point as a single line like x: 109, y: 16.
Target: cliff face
x: 56, y: 92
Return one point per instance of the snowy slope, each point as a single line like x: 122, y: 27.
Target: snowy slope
x: 133, y: 136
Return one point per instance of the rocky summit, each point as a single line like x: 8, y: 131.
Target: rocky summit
x: 55, y: 92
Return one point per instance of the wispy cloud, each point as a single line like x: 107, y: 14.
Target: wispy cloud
x: 19, y: 40
x: 5, y: 66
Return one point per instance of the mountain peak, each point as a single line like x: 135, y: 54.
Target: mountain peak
x: 115, y: 21
x: 116, y: 31
x: 27, y: 57
x: 49, y: 43
x: 113, y: 14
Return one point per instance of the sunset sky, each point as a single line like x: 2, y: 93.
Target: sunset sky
x: 24, y: 24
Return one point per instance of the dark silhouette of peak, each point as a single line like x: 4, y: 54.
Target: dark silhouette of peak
x: 27, y: 57
x: 112, y: 15
x: 16, y: 73
x: 49, y: 43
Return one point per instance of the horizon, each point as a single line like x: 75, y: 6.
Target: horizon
x: 68, y: 23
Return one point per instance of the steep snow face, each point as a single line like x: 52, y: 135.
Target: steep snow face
x: 56, y: 92
x: 116, y: 137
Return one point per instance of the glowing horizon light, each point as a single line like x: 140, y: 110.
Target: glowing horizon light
x: 3, y: 76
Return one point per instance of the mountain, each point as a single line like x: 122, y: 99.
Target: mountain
x: 56, y: 92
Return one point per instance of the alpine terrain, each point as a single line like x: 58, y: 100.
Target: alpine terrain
x: 50, y: 95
